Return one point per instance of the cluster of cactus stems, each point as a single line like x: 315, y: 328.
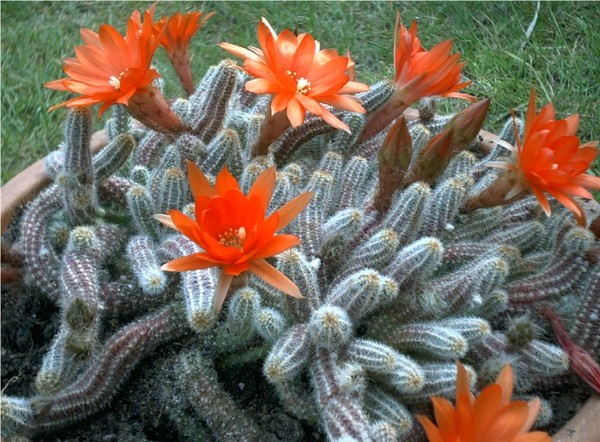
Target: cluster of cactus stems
x: 398, y: 280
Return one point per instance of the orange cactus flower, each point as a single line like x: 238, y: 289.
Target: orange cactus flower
x: 110, y: 69
x: 548, y: 160
x: 234, y: 231
x: 490, y: 417
x: 179, y: 30
x: 299, y: 75
x: 423, y: 73
x: 418, y: 73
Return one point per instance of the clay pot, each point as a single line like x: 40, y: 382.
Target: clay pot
x: 583, y: 427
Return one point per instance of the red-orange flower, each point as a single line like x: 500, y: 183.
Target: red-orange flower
x: 299, y: 75
x: 418, y: 73
x: 492, y: 417
x: 178, y: 31
x: 110, y: 68
x: 550, y: 160
x: 234, y: 231
x: 421, y: 73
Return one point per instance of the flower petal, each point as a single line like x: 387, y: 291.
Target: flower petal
x: 263, y: 186
x: 222, y: 289
x: 278, y: 244
x: 274, y: 277
x: 199, y: 185
x: 196, y: 261
x: 291, y: 209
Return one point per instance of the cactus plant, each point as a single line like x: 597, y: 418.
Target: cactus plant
x: 394, y: 279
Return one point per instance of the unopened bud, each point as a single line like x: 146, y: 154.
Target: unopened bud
x: 467, y: 124
x: 394, y: 158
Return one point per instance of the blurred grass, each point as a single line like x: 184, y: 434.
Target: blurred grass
x: 561, y: 58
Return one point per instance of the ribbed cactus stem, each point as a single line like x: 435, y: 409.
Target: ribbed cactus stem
x: 292, y: 139
x: 172, y: 190
x: 383, y: 406
x: 212, y: 403
x: 144, y: 263
x: 355, y: 175
x: 40, y: 259
x: 330, y: 327
x: 119, y: 123
x: 313, y: 217
x: 110, y: 159
x: 288, y: 356
x: 142, y: 208
x: 416, y: 262
x: 430, y: 338
x: 100, y: 382
x: 78, y: 177
x: 198, y: 285
x: 207, y: 111
x: 342, y: 416
x: 56, y: 367
x: 191, y: 148
x: 148, y: 151
x: 242, y: 308
x: 443, y: 205
x: 269, y: 323
x: 404, y: 214
x: 362, y: 292
x: 294, y: 264
x: 440, y: 380
x: 221, y: 151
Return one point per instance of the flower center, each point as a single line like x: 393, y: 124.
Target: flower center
x: 116, y: 81
x: 302, y: 84
x: 233, y: 237
x: 554, y: 166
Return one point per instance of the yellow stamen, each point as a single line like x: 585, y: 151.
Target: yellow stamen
x: 233, y: 238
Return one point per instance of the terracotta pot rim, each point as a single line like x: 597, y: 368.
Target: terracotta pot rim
x: 583, y: 427
x: 27, y: 183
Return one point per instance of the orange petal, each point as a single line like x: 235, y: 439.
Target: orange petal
x: 222, y: 289
x: 433, y: 432
x: 274, y: 277
x: 184, y: 224
x: 544, y: 203
x: 353, y: 87
x: 444, y: 417
x: 263, y: 186
x: 587, y: 181
x: 292, y: 208
x: 278, y: 244
x: 463, y: 386
x: 295, y: 113
x: 533, y: 411
x: 342, y: 102
x: 225, y: 182
x: 199, y: 185
x: 508, y: 422
x: 197, y: 261
x: 485, y: 409
x: 569, y: 203
x: 506, y: 380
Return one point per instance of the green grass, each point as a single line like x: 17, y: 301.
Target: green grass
x: 561, y: 58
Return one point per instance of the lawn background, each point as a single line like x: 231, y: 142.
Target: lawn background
x: 561, y: 57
